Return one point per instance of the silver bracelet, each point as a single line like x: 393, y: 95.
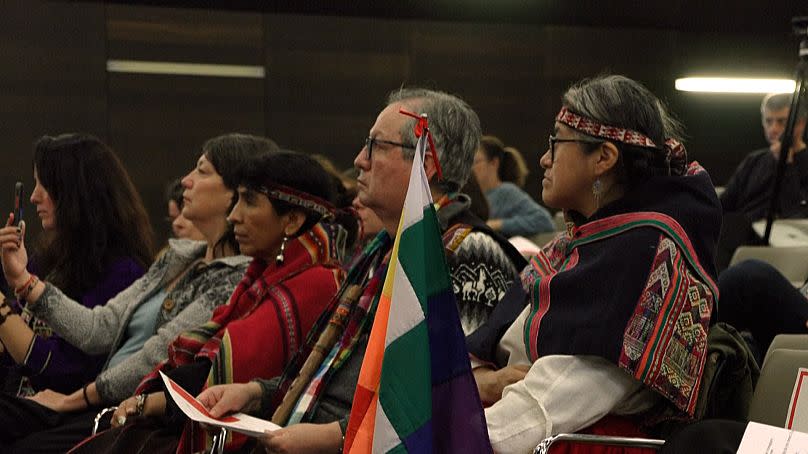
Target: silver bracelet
x: 140, y: 403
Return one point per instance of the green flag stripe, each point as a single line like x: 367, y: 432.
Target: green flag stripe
x: 405, y: 387
x: 422, y: 259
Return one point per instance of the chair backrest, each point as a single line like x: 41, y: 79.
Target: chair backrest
x: 787, y: 342
x: 774, y: 388
x: 791, y: 262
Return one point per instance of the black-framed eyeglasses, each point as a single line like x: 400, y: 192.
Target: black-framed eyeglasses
x: 553, y: 140
x: 370, y: 141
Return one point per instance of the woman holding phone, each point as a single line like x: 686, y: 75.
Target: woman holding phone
x: 133, y: 329
x: 96, y: 241
x: 284, y: 220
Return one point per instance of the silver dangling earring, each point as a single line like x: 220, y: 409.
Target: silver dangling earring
x: 279, y: 258
x: 597, y: 191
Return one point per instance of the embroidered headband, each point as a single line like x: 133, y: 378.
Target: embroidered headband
x: 675, y: 153
x: 299, y: 198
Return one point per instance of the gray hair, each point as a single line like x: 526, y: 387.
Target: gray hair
x: 779, y: 101
x: 455, y: 129
x: 621, y: 102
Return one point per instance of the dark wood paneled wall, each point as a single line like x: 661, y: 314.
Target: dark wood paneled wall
x: 158, y: 122
x: 326, y: 79
x: 52, y: 80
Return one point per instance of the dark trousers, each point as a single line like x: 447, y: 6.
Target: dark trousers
x: 27, y: 427
x: 755, y: 297
x: 716, y: 436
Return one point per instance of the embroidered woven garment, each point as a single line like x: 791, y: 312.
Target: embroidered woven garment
x: 262, y: 327
x: 633, y: 286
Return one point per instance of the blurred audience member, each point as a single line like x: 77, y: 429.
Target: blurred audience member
x: 747, y: 196
x: 750, y: 188
x: 512, y: 211
x: 180, y: 225
x: 345, y: 187
x: 371, y: 224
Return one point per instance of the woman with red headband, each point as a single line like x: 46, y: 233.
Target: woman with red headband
x: 614, y: 314
x: 284, y: 219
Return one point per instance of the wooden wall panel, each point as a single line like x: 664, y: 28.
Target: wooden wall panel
x: 331, y: 73
x: 52, y: 81
x: 327, y: 78
x: 191, y: 35
x: 495, y: 68
x: 159, y: 122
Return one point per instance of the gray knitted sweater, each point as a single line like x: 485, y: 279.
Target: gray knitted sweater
x: 102, y: 329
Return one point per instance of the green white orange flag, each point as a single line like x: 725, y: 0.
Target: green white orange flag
x: 416, y: 393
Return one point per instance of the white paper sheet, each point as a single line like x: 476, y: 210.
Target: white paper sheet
x: 765, y: 439
x: 192, y: 408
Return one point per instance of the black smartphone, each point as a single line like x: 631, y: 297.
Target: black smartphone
x: 18, y: 202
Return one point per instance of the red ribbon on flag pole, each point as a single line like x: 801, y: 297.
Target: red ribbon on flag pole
x: 421, y: 126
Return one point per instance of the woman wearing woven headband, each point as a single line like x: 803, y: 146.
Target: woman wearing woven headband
x: 616, y: 310
x: 281, y: 220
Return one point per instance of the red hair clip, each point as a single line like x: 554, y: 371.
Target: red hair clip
x: 421, y: 126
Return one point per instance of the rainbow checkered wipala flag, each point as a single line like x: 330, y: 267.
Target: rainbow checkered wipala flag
x: 416, y: 393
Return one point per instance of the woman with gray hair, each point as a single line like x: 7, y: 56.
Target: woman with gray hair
x: 614, y: 314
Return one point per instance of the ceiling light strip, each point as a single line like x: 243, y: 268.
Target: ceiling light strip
x: 734, y: 85
x: 184, y: 69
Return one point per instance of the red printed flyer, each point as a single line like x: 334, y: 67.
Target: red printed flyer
x: 192, y: 408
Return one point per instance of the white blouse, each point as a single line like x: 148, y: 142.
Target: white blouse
x: 560, y: 394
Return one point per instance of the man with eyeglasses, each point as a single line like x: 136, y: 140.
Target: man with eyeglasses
x: 479, y: 268
x: 482, y: 265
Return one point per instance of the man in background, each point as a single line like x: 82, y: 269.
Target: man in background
x: 751, y: 186
x: 748, y: 193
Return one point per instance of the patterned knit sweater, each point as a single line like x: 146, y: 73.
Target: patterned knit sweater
x: 482, y: 264
x: 103, y: 328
